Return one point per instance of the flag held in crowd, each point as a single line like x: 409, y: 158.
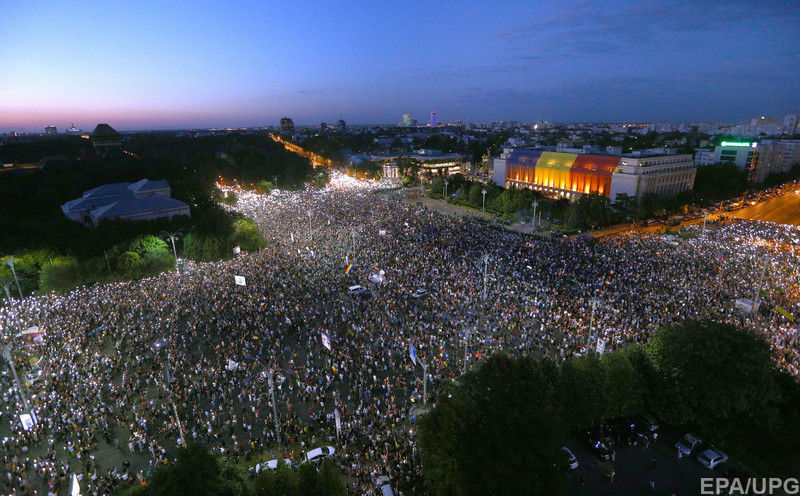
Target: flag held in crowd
x: 348, y: 268
x: 412, y: 353
x: 239, y: 280
x: 326, y: 341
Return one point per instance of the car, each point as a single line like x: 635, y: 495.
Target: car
x: 271, y: 465
x: 712, y: 457
x: 358, y: 291
x: 419, y: 293
x: 687, y: 444
x: 572, y: 462
x: 320, y: 453
x: 646, y: 424
x: 383, y: 483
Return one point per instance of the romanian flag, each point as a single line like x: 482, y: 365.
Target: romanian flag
x: 347, y: 269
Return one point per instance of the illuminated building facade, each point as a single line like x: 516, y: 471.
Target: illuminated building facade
x: 434, y: 119
x: 287, y: 125
x: 572, y: 174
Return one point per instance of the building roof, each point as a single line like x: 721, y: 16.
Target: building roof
x: 148, y: 185
x: 108, y: 190
x: 133, y: 206
x: 103, y: 130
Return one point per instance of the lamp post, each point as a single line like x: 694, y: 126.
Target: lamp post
x: 445, y: 189
x: 8, y: 358
x: 535, y: 204
x: 591, y: 325
x: 309, y: 213
x: 8, y: 293
x: 705, y: 217
x: 271, y: 382
x: 757, y: 299
x: 171, y: 400
x: 485, y: 274
x: 483, y: 204
x: 10, y: 263
x: 172, y: 237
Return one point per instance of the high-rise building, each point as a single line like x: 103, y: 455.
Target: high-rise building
x: 342, y: 125
x: 51, y: 129
x: 434, y: 119
x: 73, y: 131
x: 287, y: 125
x: 789, y: 124
x: 105, y: 139
x: 407, y: 120
x: 323, y: 127
x: 773, y: 156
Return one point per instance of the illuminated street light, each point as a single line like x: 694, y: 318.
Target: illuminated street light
x: 483, y: 205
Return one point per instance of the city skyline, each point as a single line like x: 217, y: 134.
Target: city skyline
x: 153, y: 66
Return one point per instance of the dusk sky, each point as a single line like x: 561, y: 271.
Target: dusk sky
x: 143, y: 65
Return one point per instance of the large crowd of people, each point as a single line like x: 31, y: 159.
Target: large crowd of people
x: 119, y: 361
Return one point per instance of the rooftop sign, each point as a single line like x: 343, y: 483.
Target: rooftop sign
x: 739, y: 143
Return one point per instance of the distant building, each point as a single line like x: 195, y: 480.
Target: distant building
x: 341, y: 125
x: 287, y: 125
x: 407, y: 120
x: 570, y: 175
x: 142, y: 200
x: 704, y: 156
x: 50, y: 130
x: 774, y: 156
x: 73, y: 131
x: 740, y: 153
x: 323, y: 128
x: 434, y: 119
x: 789, y: 124
x: 106, y: 139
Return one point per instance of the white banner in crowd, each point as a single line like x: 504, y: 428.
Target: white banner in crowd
x: 75, y: 488
x: 28, y: 420
x: 237, y: 250
x: 232, y: 365
x: 601, y: 346
x: 338, y: 421
x: 239, y: 280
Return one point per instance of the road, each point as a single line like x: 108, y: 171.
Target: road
x: 783, y: 209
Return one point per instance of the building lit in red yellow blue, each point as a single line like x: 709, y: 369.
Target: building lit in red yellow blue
x: 571, y: 174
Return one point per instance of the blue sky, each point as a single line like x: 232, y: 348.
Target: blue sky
x: 139, y: 65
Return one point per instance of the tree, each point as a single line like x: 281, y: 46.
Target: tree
x: 590, y: 211
x: 146, y: 245
x: 475, y: 196
x: 717, y: 377
x: 581, y: 392
x: 247, y: 236
x: 625, y: 204
x: 496, y: 433
x: 196, y: 472
x: 230, y: 198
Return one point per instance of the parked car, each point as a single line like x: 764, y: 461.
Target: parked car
x: 271, y: 465
x: 572, y: 462
x: 687, y: 444
x: 358, y: 291
x: 320, y: 453
x: 420, y: 293
x: 712, y: 457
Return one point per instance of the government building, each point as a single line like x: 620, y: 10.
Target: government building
x: 569, y: 175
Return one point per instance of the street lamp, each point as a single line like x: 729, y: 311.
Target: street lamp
x: 7, y: 356
x: 705, y: 217
x: 171, y: 400
x: 310, y: 213
x: 271, y: 382
x: 591, y: 324
x: 445, y: 189
x: 172, y: 237
x: 10, y: 263
x: 485, y: 274
x: 483, y: 204
x: 757, y: 299
x: 533, y: 221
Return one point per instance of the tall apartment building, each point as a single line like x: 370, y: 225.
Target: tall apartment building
x: 774, y: 156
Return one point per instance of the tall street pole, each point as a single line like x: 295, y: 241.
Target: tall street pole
x: 591, y: 325
x: 10, y: 263
x: 483, y: 205
x: 445, y: 190
x: 757, y: 298
x: 485, y: 274
x: 7, y: 356
x: 535, y: 204
x: 274, y: 404
x: 310, y: 236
